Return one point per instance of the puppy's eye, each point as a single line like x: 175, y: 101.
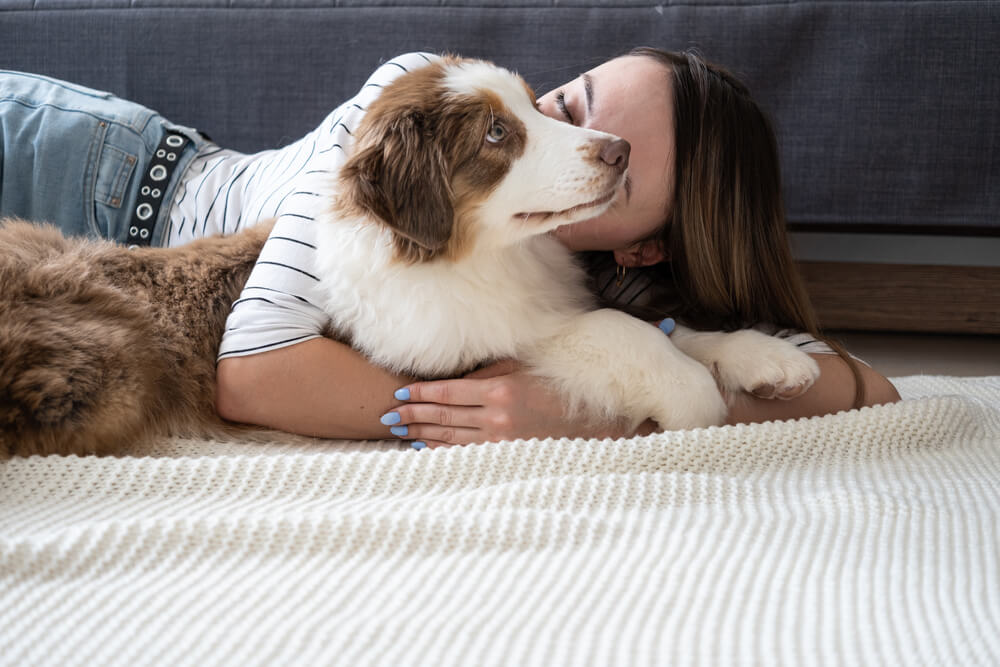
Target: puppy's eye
x: 497, y: 133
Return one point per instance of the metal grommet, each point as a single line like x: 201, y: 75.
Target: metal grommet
x: 133, y: 231
x: 144, y: 233
x: 155, y: 194
x: 143, y: 212
x: 145, y: 191
x: 133, y: 247
x: 158, y: 173
x: 161, y: 153
x: 171, y: 156
x: 174, y: 140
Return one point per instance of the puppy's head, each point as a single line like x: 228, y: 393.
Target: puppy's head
x: 455, y: 156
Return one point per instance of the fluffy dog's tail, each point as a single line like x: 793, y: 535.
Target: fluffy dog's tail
x: 102, y: 347
x: 68, y: 349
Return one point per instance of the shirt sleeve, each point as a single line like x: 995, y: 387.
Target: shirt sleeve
x: 802, y: 340
x: 278, y: 306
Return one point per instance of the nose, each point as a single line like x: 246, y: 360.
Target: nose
x: 615, y: 153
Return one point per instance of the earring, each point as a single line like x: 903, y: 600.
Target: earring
x: 620, y: 273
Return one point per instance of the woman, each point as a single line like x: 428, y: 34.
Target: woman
x: 704, y: 213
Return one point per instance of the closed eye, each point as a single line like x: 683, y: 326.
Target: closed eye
x: 561, y: 104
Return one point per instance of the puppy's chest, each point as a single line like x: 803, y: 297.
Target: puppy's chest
x: 441, y: 318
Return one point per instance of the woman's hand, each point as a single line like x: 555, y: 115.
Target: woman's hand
x: 498, y: 402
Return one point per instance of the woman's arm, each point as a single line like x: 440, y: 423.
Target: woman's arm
x: 326, y: 389
x: 320, y: 388
x: 832, y: 392
x: 512, y: 404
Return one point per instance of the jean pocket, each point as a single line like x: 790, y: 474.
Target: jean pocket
x: 113, y: 176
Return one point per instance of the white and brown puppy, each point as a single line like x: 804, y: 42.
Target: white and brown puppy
x: 434, y: 258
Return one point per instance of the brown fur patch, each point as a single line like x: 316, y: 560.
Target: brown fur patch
x: 102, y: 347
x: 422, y: 164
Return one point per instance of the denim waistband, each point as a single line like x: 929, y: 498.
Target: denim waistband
x: 75, y: 157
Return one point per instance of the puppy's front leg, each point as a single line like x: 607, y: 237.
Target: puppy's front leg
x: 611, y: 366
x: 750, y: 361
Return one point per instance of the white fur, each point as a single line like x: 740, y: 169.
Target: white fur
x: 517, y: 292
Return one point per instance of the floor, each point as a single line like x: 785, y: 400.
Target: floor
x: 896, y: 355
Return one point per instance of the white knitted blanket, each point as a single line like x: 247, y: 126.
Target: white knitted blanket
x: 864, y: 538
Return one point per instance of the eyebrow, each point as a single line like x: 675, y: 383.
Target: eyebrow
x: 588, y: 89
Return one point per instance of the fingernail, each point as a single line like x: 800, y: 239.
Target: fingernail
x: 402, y: 394
x: 418, y: 445
x: 390, y: 418
x: 667, y: 325
x: 401, y: 431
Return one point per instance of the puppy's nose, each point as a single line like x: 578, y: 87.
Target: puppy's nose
x: 615, y: 153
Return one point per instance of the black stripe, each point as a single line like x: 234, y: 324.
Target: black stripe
x: 251, y: 298
x: 256, y: 172
x: 286, y: 266
x: 640, y: 293
x: 289, y: 238
x: 327, y: 150
x: 627, y: 286
x: 398, y: 65
x: 225, y: 210
x: 278, y: 291
x: 607, y: 285
x: 295, y: 215
x: 262, y: 347
x: 293, y: 160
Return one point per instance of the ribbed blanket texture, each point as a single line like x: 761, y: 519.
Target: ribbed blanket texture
x: 870, y: 537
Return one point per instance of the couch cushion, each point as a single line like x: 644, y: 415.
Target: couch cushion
x: 886, y: 111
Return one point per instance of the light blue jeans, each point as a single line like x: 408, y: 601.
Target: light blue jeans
x: 75, y: 157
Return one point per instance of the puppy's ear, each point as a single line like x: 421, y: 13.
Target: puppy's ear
x: 399, y: 174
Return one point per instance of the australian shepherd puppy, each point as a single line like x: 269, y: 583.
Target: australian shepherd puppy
x: 436, y: 226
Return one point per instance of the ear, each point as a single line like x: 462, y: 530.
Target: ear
x: 400, y: 176
x: 641, y: 253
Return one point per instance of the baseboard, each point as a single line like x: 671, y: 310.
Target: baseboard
x: 905, y: 297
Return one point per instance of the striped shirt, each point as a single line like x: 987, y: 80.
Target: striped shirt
x: 224, y: 191
x: 637, y: 288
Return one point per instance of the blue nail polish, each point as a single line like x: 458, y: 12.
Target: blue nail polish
x: 402, y: 394
x: 390, y: 418
x: 667, y: 325
x: 418, y: 445
x: 401, y: 431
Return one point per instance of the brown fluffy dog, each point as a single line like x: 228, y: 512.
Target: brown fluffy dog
x: 101, y: 346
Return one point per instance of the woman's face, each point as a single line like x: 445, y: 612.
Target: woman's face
x: 631, y: 98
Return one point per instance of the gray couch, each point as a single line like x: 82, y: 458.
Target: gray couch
x: 888, y: 113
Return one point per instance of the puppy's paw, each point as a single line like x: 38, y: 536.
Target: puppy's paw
x: 764, y: 366
x: 691, y: 399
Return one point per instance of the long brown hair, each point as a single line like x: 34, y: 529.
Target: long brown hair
x: 730, y: 263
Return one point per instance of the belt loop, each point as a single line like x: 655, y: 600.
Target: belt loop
x: 154, y: 185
